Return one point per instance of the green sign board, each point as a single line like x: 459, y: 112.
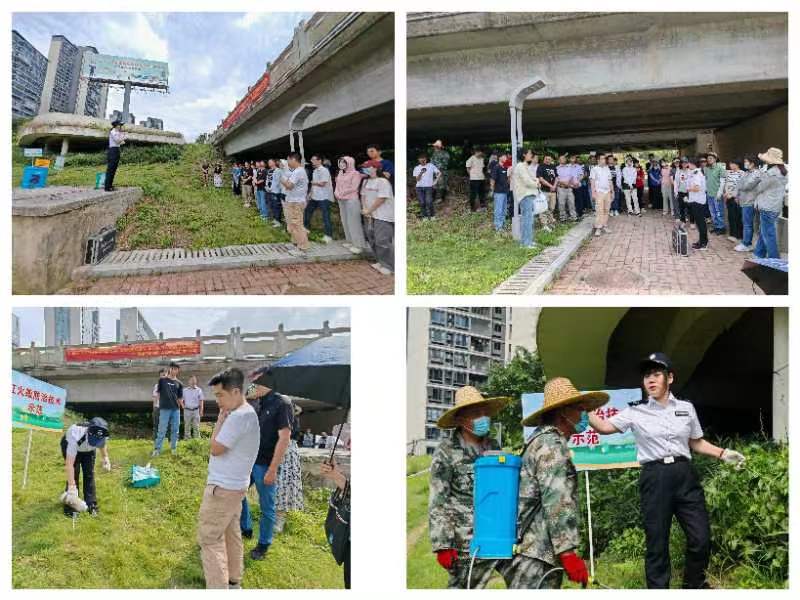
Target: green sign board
x: 36, y: 404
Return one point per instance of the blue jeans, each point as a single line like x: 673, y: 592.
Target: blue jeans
x: 500, y: 199
x: 748, y: 212
x: 266, y: 502
x: 325, y: 206
x: 526, y: 226
x: 168, y: 416
x: 425, y: 198
x: 717, y: 210
x: 767, y: 245
x: 261, y: 202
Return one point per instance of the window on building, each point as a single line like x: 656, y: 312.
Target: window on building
x: 436, y: 355
x: 438, y: 317
x: 438, y: 336
x: 435, y: 394
x: 448, y: 377
x: 461, y: 340
x: 448, y: 358
x: 460, y: 360
x: 432, y: 414
x: 448, y: 397
x: 435, y: 375
x: 460, y: 322
x: 459, y: 378
x: 431, y: 433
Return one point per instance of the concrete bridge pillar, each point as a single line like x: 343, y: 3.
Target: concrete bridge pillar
x: 326, y: 329
x: 780, y: 374
x: 236, y: 342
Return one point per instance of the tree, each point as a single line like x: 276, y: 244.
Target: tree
x: 524, y: 373
x: 202, y: 139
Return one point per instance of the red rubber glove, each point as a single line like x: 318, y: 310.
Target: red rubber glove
x: 447, y: 557
x: 575, y: 568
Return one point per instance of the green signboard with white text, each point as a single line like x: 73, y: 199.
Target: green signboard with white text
x: 36, y: 404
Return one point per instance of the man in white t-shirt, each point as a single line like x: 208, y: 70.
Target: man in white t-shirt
x: 234, y: 446
x: 193, y: 404
x: 295, y: 182
x: 377, y: 206
x: 427, y: 177
x: 602, y: 188
x: 475, y: 166
x: 320, y: 196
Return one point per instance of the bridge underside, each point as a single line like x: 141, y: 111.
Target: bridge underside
x: 347, y: 135
x: 654, y: 118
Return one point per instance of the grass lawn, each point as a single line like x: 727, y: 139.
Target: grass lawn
x: 423, y: 572
x: 460, y: 253
x: 177, y: 211
x: 144, y: 538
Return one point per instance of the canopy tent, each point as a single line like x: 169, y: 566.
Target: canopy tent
x: 319, y: 371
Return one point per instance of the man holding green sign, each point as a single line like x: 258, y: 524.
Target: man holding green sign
x: 667, y: 431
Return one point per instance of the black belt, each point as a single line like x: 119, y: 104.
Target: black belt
x: 667, y: 460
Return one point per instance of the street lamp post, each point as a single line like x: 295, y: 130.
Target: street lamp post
x: 515, y: 105
x: 296, y: 124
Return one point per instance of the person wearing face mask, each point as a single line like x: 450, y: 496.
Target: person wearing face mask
x: 548, y: 509
x: 450, y: 504
x: 667, y: 431
x: 346, y: 192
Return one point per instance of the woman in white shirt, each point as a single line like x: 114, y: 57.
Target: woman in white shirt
x: 696, y: 188
x: 377, y: 206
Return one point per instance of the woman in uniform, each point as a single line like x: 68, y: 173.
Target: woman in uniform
x: 667, y: 431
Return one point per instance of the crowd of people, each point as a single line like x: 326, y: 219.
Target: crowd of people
x: 287, y: 192
x: 255, y: 442
x: 730, y: 199
x: 668, y: 434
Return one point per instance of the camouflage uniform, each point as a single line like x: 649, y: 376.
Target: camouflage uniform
x: 441, y: 158
x: 548, y: 489
x: 450, y: 507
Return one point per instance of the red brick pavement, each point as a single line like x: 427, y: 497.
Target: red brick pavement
x: 348, y: 277
x: 636, y: 258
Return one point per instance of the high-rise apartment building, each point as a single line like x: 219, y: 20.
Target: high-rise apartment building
x: 449, y: 348
x: 28, y: 69
x: 133, y: 327
x: 15, y: 332
x: 64, y: 90
x: 71, y: 326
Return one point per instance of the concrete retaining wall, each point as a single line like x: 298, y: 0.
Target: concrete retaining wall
x: 50, y: 228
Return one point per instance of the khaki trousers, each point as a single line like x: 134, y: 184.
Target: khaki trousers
x: 220, y: 536
x: 293, y: 214
x: 602, y: 203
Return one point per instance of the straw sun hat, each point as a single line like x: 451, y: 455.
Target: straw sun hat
x: 560, y: 392
x: 466, y: 397
x: 773, y: 156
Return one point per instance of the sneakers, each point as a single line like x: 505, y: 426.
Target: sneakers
x: 259, y: 552
x: 381, y: 269
x: 276, y: 224
x: 94, y: 511
x: 597, y: 232
x: 247, y: 533
x: 155, y: 453
x: 327, y: 239
x: 732, y: 239
x: 699, y: 246
x: 355, y: 249
x: 740, y: 247
x: 234, y: 585
x: 639, y: 214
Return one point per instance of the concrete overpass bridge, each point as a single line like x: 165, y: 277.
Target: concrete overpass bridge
x: 612, y: 80
x: 344, y: 64
x: 108, y: 386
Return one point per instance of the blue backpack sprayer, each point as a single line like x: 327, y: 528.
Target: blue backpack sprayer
x: 495, y: 496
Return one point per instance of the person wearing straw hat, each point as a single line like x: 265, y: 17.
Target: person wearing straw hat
x: 440, y: 158
x: 548, y: 510
x: 451, y: 481
x: 667, y: 431
x: 770, y: 192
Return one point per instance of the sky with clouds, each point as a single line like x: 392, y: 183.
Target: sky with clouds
x: 183, y: 322
x: 212, y: 57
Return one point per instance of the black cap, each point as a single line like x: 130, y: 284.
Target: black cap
x: 117, y: 122
x: 657, y: 360
x: 98, y: 432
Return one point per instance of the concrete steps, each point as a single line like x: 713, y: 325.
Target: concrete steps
x: 181, y: 260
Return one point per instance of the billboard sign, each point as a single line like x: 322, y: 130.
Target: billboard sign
x: 590, y: 450
x: 32, y: 152
x: 139, y: 350
x: 36, y: 404
x: 122, y: 69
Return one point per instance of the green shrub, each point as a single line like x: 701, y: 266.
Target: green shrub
x: 155, y: 154
x: 748, y: 510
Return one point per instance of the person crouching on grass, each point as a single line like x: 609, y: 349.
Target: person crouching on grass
x: 234, y: 446
x: 79, y: 448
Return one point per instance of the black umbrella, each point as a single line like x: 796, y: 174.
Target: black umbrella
x: 319, y: 371
x: 770, y: 274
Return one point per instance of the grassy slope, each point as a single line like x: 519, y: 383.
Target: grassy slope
x: 423, y: 572
x: 144, y: 538
x: 460, y: 253
x: 177, y: 210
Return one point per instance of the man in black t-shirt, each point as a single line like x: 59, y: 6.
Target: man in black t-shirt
x: 498, y: 181
x: 260, y: 181
x: 275, y: 418
x: 170, y: 403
